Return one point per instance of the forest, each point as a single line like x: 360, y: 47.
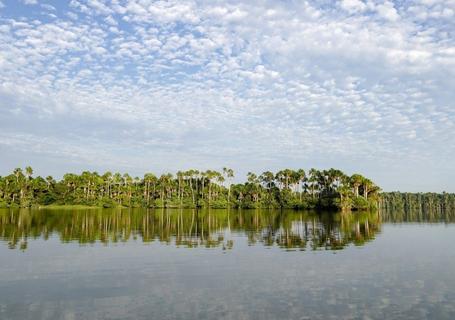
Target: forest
x: 418, y: 205
x: 287, y: 188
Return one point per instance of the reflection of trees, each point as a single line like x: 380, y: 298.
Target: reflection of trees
x: 417, y: 215
x: 191, y: 228
x: 295, y: 230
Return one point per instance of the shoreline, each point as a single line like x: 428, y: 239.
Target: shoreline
x: 96, y: 207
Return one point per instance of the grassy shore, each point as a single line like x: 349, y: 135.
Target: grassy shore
x: 69, y: 206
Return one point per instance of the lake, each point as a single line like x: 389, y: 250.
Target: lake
x: 225, y: 264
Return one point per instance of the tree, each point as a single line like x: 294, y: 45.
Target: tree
x: 313, y: 181
x: 356, y: 182
x: 367, y: 184
x: 229, y: 175
x: 149, y: 186
x: 300, y: 178
x: 286, y: 188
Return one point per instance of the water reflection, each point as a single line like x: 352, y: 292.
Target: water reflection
x: 190, y: 228
x: 419, y: 216
x: 406, y: 274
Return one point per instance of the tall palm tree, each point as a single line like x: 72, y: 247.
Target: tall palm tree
x: 229, y: 174
x: 149, y: 185
x: 50, y: 182
x: 253, y: 180
x: 367, y: 184
x: 107, y: 179
x: 301, y: 178
x: 356, y: 181
x: 313, y: 181
x: 18, y: 173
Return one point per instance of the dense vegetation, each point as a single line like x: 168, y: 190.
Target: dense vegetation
x: 418, y: 206
x: 189, y: 189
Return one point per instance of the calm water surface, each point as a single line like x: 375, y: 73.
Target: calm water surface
x: 182, y: 264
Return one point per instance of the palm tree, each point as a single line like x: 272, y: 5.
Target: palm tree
x: 313, y: 181
x: 107, y: 179
x: 220, y: 180
x: 190, y: 176
x: 253, y: 180
x: 50, y: 182
x: 367, y: 184
x: 18, y: 173
x: 180, y: 184
x: 20, y: 181
x: 127, y: 182
x: 149, y: 181
x: 210, y: 174
x: 356, y: 181
x: 118, y: 181
x: 28, y: 172
x: 301, y: 178
x: 229, y: 174
x: 267, y: 178
x: 165, y: 182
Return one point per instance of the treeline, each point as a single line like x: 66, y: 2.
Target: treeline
x: 315, y: 189
x: 418, y: 205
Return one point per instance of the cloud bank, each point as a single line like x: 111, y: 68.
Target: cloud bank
x: 142, y: 85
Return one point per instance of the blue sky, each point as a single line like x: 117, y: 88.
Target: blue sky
x: 137, y: 85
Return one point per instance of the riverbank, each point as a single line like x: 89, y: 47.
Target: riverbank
x: 94, y: 207
x: 67, y: 206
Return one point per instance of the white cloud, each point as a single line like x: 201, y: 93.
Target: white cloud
x: 353, y: 6
x: 388, y: 11
x: 110, y: 20
x: 30, y: 2
x: 433, y: 9
x: 447, y: 13
x: 289, y: 82
x: 48, y: 7
x: 99, y: 7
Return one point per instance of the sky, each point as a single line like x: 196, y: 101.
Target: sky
x: 138, y: 86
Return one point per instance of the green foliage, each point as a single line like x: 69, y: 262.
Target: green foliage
x: 422, y: 203
x: 105, y: 202
x: 360, y: 203
x: 287, y: 188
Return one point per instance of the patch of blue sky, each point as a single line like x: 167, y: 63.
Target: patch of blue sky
x: 359, y: 85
